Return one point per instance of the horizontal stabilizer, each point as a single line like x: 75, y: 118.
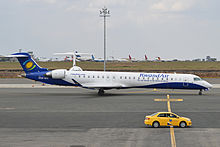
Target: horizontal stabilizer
x: 16, y: 56
x: 71, y: 53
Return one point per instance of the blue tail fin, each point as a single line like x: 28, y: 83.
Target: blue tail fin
x: 93, y: 58
x: 27, y: 63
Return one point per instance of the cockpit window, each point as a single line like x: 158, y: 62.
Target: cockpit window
x: 197, y: 79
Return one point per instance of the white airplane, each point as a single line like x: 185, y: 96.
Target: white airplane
x: 145, y: 56
x: 43, y: 59
x: 122, y: 60
x: 75, y: 56
x: 126, y: 59
x: 108, y: 80
x: 83, y: 56
x: 111, y: 58
x: 130, y: 58
x: 97, y: 59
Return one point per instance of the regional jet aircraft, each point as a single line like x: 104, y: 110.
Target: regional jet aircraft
x: 108, y: 80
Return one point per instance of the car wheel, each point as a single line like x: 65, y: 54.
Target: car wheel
x: 156, y: 124
x: 182, y: 124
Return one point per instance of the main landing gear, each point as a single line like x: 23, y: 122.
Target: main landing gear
x: 200, y: 92
x: 101, y: 91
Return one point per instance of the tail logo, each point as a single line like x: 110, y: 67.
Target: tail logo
x: 29, y: 65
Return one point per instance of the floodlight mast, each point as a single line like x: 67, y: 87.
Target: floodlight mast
x: 104, y: 12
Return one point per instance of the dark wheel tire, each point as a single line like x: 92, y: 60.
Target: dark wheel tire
x: 156, y: 124
x: 200, y: 92
x: 182, y: 124
x: 101, y: 92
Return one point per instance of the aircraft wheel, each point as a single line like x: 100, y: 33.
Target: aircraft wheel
x: 200, y: 92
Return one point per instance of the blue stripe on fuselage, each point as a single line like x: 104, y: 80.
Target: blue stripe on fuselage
x: 174, y: 85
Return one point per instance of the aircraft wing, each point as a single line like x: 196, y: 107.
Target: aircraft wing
x: 99, y: 85
x: 102, y: 85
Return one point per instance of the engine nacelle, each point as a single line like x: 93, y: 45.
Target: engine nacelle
x: 57, y: 74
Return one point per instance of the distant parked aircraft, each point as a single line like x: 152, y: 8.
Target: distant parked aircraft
x: 131, y: 59
x: 44, y: 59
x: 74, y: 55
x: 158, y: 59
x: 146, y: 59
x: 97, y: 59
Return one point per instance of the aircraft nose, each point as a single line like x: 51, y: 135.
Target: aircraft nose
x: 208, y: 85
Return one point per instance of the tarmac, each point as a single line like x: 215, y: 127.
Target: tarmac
x: 50, y: 116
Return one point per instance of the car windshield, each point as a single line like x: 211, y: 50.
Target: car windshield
x: 176, y: 115
x: 153, y: 114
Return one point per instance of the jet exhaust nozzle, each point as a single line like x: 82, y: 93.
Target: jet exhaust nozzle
x: 48, y: 74
x: 22, y: 75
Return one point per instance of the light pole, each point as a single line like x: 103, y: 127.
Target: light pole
x: 104, y: 13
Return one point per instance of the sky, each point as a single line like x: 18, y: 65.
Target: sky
x: 171, y: 29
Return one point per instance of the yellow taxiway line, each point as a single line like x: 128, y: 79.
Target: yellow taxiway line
x: 168, y: 100
x: 172, y: 135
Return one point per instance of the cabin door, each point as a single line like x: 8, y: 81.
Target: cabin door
x: 185, y: 82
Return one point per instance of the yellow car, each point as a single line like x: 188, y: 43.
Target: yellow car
x: 167, y: 119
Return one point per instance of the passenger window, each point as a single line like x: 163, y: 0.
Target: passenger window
x: 88, y: 76
x: 129, y: 77
x: 103, y: 77
x: 113, y: 77
x: 162, y: 115
x: 173, y: 116
x: 167, y: 115
x: 93, y: 76
x: 134, y: 78
x: 97, y: 76
x: 125, y: 77
x: 79, y: 76
x: 107, y: 77
x: 120, y: 77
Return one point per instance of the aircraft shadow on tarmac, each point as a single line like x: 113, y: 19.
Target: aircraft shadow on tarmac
x: 112, y: 94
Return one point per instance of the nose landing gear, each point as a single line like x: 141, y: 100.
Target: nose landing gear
x: 200, y: 92
x: 101, y: 91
